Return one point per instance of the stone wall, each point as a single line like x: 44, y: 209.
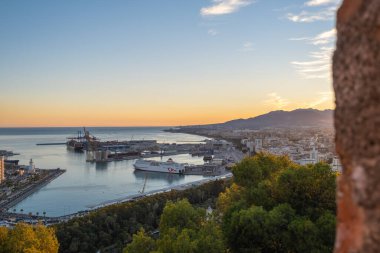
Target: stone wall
x: 356, y: 75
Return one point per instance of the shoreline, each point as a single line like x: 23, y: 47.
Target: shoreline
x: 30, y: 189
x: 137, y: 196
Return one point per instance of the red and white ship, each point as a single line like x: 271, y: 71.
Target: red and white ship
x: 165, y: 167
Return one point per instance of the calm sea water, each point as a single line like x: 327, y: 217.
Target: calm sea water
x: 88, y: 184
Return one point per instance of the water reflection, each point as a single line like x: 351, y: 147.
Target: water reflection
x: 156, y: 176
x: 87, y: 184
x: 101, y: 166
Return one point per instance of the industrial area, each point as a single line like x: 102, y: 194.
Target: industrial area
x: 217, y: 154
x: 18, y: 181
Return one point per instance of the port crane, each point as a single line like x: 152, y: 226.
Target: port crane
x: 146, y: 179
x: 92, y: 144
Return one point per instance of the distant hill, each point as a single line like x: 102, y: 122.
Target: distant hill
x: 296, y: 118
x: 299, y: 117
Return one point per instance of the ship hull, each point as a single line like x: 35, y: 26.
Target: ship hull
x: 162, y: 167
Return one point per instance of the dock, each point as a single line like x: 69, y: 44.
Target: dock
x: 48, y: 144
x: 25, y: 192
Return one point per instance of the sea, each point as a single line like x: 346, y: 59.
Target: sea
x: 84, y: 184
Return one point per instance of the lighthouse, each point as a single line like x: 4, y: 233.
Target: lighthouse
x: 31, y: 168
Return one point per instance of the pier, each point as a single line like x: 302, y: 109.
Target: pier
x: 48, y: 144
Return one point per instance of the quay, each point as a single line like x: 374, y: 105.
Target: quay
x: 48, y: 144
x: 179, y: 187
x: 10, y: 219
x: 25, y: 192
x: 114, y: 158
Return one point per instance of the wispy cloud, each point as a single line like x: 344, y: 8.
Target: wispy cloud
x: 212, y: 32
x: 319, y: 65
x: 322, y: 97
x: 222, y: 7
x: 276, y: 100
x: 321, y: 39
x: 315, y: 10
x: 321, y: 2
x: 312, y: 16
x: 247, y: 46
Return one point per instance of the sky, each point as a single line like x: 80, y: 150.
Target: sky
x: 162, y: 63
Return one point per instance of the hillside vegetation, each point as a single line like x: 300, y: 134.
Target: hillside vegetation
x: 109, y: 229
x: 28, y: 239
x: 273, y: 205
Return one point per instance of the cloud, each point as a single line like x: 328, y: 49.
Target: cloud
x: 316, y: 10
x: 212, y: 32
x: 222, y: 7
x: 319, y: 65
x: 313, y: 16
x: 277, y: 101
x: 321, y: 2
x: 247, y: 46
x: 323, y: 97
x: 325, y: 37
x: 321, y: 39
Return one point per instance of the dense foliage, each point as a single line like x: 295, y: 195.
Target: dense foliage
x: 28, y: 239
x: 275, y: 205
x: 110, y: 228
x: 183, y: 228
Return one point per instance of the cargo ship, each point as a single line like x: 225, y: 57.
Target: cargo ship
x: 76, y: 143
x: 165, y: 167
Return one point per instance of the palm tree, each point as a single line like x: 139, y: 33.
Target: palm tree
x: 21, y: 210
x: 14, y: 210
x: 44, y: 213
x: 37, y: 213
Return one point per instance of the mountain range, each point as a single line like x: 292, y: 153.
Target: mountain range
x: 295, y: 118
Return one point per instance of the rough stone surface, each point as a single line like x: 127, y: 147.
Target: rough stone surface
x: 356, y: 75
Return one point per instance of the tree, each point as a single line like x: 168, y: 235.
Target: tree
x: 183, y: 229
x: 282, y: 207
x: 252, y: 170
x: 210, y: 238
x: 180, y: 215
x: 326, y: 231
x: 4, y: 240
x: 26, y: 238
x: 309, y: 189
x: 246, y: 231
x: 230, y: 195
x: 141, y: 243
x: 304, y: 235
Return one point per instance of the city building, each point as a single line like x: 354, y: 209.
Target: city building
x: 2, y: 169
x: 258, y: 145
x: 336, y: 164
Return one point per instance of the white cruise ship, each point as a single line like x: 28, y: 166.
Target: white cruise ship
x: 155, y: 166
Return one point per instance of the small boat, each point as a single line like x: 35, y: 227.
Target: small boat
x: 165, y: 167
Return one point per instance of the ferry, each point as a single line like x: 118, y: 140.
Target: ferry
x: 154, y: 166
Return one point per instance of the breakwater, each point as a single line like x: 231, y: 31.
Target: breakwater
x: 26, y: 191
